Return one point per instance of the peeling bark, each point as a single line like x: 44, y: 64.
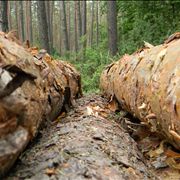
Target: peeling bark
x: 32, y: 89
x: 147, y: 84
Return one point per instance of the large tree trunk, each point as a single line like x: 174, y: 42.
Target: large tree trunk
x: 5, y: 27
x: 112, y: 26
x: 147, y: 84
x: 32, y: 89
x: 43, y: 26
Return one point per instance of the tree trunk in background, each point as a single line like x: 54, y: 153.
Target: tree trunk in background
x: 84, y: 26
x: 0, y: 16
x: 27, y: 20
x: 66, y: 40
x: 20, y: 19
x: 75, y: 27
x: 92, y: 24
x: 9, y: 15
x: 79, y: 20
x: 60, y: 29
x: 48, y: 8
x: 30, y: 24
x: 16, y: 18
x: 97, y: 23
x: 69, y: 23
x: 5, y: 27
x: 43, y: 26
x: 112, y: 26
x: 51, y: 23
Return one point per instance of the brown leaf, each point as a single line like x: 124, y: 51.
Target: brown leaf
x: 113, y: 105
x: 50, y: 171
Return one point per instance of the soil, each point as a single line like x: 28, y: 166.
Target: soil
x: 85, y: 143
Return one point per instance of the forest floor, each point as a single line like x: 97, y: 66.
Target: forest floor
x: 88, y: 142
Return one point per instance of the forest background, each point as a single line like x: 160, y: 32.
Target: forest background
x: 90, y: 34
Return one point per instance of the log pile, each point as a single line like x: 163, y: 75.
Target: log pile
x: 147, y: 84
x: 33, y: 88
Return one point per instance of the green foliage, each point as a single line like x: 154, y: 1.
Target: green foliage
x: 90, y: 67
x: 138, y: 21
x: 150, y: 21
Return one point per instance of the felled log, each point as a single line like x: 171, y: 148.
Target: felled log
x: 147, y: 84
x: 33, y: 88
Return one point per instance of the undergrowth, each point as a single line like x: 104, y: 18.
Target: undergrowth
x: 90, y: 67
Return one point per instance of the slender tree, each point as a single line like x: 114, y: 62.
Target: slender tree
x: 92, y: 24
x: 60, y: 29
x: 43, y: 26
x: 112, y: 26
x: 79, y: 19
x: 16, y: 17
x: 20, y: 19
x: 30, y: 23
x: 49, y: 16
x: 69, y: 22
x: 64, y: 21
x: 9, y: 15
x: 5, y: 27
x: 28, y: 15
x: 1, y: 17
x: 97, y: 23
x: 84, y: 26
x: 75, y: 27
x: 51, y: 22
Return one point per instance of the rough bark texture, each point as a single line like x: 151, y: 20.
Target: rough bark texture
x: 84, y: 145
x: 112, y: 26
x: 147, y: 84
x: 33, y: 87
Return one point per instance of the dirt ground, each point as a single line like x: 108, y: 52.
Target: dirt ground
x: 86, y: 143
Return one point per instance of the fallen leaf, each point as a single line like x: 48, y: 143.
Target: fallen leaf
x: 173, y: 162
x: 50, y: 172
x: 158, y: 151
